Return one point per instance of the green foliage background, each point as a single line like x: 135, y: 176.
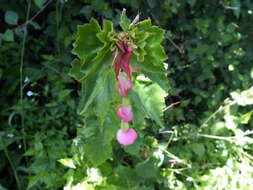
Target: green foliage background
x: 206, y: 141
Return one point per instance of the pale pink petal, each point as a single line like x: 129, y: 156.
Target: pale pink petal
x: 126, y: 137
x: 125, y: 113
x: 124, y: 85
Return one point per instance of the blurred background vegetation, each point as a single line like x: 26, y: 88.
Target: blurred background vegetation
x: 207, y: 141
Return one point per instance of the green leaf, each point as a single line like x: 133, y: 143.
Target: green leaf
x: 11, y: 17
x: 147, y: 169
x: 244, y: 119
x: 76, y: 70
x: 191, y: 2
x: 152, y: 3
x: 39, y: 3
x: 150, y: 52
x: 160, y: 79
x: 33, y: 181
x: 93, y: 87
x: 153, y: 105
x: 198, y: 149
x: 236, y: 4
x: 111, y: 125
x: 124, y: 21
x: 8, y: 36
x: 87, y: 43
x: 94, y: 83
x: 2, y: 187
x: 104, y: 35
x: 105, y: 96
x: 98, y: 147
x: 243, y: 98
x: 134, y: 148
x: 125, y: 176
x: 68, y: 162
x: 97, y: 151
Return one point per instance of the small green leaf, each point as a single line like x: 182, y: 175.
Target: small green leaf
x: 191, y: 2
x: 244, y: 119
x: 8, y: 36
x: 33, y: 181
x: 198, y: 149
x: 11, y: 17
x: 68, y: 162
x: 124, y: 21
x: 152, y: 3
x: 236, y: 4
x: 39, y: 3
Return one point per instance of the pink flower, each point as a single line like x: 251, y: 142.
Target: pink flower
x: 126, y: 137
x: 124, y: 85
x: 125, y: 113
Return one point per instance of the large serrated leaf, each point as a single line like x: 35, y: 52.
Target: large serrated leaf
x: 76, y: 70
x: 160, y: 79
x: 87, y: 43
x: 103, y: 36
x: 97, y: 151
x: 144, y: 25
x: 95, y: 80
x: 98, y: 148
x: 150, y: 54
x: 151, y: 106
x: 92, y: 87
x: 105, y: 96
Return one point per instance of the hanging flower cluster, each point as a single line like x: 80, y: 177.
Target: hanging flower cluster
x: 96, y: 49
x: 125, y: 136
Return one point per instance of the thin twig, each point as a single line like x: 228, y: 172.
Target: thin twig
x: 221, y: 108
x: 230, y: 139
x: 171, y: 105
x: 28, y: 21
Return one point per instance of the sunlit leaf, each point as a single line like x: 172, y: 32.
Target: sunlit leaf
x: 68, y: 162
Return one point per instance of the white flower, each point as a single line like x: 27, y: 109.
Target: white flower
x: 29, y: 93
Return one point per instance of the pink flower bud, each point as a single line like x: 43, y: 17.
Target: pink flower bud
x: 126, y: 137
x: 124, y: 85
x: 125, y: 113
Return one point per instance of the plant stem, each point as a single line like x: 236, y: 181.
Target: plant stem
x: 21, y: 75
